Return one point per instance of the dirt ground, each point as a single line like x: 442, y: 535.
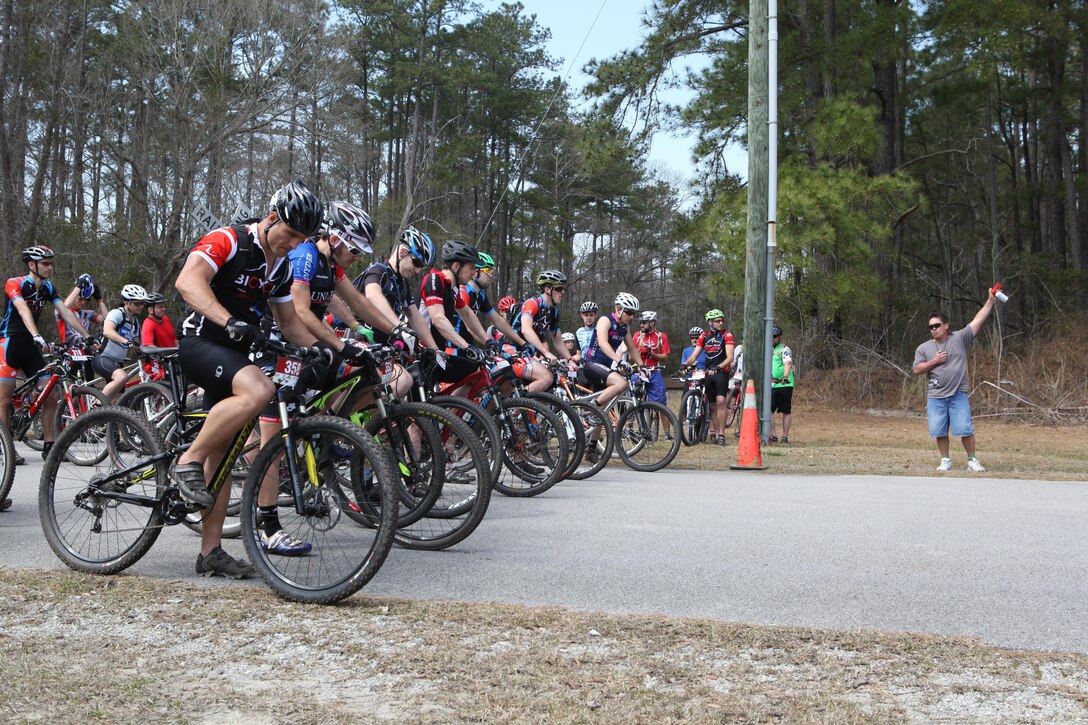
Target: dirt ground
x: 126, y: 649
x: 884, y: 442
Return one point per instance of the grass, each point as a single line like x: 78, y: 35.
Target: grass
x: 842, y: 442
x: 77, y: 648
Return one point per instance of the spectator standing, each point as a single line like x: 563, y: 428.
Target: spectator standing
x: 943, y: 360
x: 157, y: 331
x: 782, y: 380
x: 694, y: 334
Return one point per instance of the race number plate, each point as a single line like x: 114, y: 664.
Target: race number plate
x: 386, y: 369
x: 698, y: 375
x: 78, y: 356
x: 287, y: 371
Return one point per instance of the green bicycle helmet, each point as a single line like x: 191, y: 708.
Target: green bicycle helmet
x: 714, y: 314
x: 485, y: 261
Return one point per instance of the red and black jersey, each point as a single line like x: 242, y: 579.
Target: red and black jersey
x: 713, y: 344
x: 242, y: 283
x: 36, y: 298
x: 435, y: 290
x: 545, y: 318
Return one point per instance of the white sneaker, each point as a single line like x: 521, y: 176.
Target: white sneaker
x: 974, y: 465
x: 946, y: 465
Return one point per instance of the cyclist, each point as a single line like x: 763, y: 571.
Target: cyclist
x: 504, y: 306
x: 588, y: 311
x: 693, y: 335
x: 717, y: 342
x: 572, y: 347
x: 653, y: 348
x: 157, y: 331
x: 227, y: 278
x: 21, y: 344
x: 603, y: 357
x: 538, y: 317
x: 440, y: 293
x: 386, y: 285
x: 77, y: 301
x: 121, y: 329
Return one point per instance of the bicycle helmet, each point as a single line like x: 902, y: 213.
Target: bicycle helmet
x: 457, y: 251
x: 695, y: 332
x: 506, y: 303
x: 419, y: 245
x: 298, y: 208
x: 627, y: 301
x: 589, y: 307
x: 714, y: 314
x: 351, y: 224
x: 776, y: 331
x: 648, y: 316
x: 551, y: 278
x: 133, y: 293
x: 155, y: 298
x: 37, y: 254
x: 485, y: 261
x: 569, y: 337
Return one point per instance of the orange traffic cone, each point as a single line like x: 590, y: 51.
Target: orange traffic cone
x: 748, y: 457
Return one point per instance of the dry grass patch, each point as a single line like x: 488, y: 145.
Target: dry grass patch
x: 127, y: 649
x: 833, y: 442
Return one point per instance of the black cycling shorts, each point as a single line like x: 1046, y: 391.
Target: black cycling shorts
x: 457, y: 369
x: 717, y: 383
x: 782, y: 400
x: 211, y: 366
x: 597, y: 375
x: 19, y: 354
x: 105, y: 366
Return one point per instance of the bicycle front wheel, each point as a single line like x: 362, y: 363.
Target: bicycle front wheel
x: 640, y: 439
x: 90, y: 514
x: 600, y: 440
x: 344, y: 556
x: 692, y: 417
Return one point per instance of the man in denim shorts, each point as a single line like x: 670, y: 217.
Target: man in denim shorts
x: 943, y: 360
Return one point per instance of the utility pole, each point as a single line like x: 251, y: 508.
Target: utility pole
x: 755, y: 273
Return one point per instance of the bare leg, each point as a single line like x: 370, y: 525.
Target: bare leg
x: 942, y: 446
x: 968, y: 444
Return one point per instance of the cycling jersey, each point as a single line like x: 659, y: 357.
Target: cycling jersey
x: 655, y: 341
x: 87, y: 318
x: 157, y: 334
x: 616, y: 334
x: 36, y: 297
x: 435, y: 290
x: 242, y: 282
x: 394, y: 287
x: 127, y: 326
x: 714, y: 344
x: 476, y: 299
x: 311, y: 268
x: 545, y: 318
x: 584, y: 335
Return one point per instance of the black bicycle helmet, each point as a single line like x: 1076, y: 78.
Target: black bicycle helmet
x: 776, y: 331
x: 351, y: 224
x: 37, y: 254
x: 298, y: 208
x: 156, y: 298
x: 456, y: 251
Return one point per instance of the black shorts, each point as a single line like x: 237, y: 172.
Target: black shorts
x: 717, y: 384
x: 457, y: 369
x: 211, y: 366
x: 597, y: 375
x: 105, y: 366
x: 19, y: 354
x: 782, y: 400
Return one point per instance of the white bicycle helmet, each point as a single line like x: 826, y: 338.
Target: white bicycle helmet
x: 648, y: 316
x: 569, y: 337
x: 589, y: 306
x: 627, y: 301
x: 133, y: 293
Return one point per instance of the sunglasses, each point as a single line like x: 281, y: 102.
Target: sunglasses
x: 935, y: 325
x: 417, y: 262
x: 349, y: 244
x: 559, y: 289
x: 485, y: 270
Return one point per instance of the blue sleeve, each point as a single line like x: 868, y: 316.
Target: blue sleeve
x: 303, y: 262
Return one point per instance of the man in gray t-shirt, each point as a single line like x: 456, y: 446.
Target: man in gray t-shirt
x: 943, y: 360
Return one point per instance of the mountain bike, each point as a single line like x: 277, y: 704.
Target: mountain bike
x: 694, y: 408
x: 104, y: 519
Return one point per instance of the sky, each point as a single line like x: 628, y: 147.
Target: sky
x: 618, y: 27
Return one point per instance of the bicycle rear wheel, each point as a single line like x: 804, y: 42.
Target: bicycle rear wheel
x: 640, y: 441
x: 345, y: 556
x: 535, y: 448
x: 87, y: 527
x: 600, y: 440
x: 483, y: 425
x: 732, y: 403
x: 576, y: 435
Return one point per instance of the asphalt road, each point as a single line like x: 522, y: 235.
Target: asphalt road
x: 1006, y: 561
